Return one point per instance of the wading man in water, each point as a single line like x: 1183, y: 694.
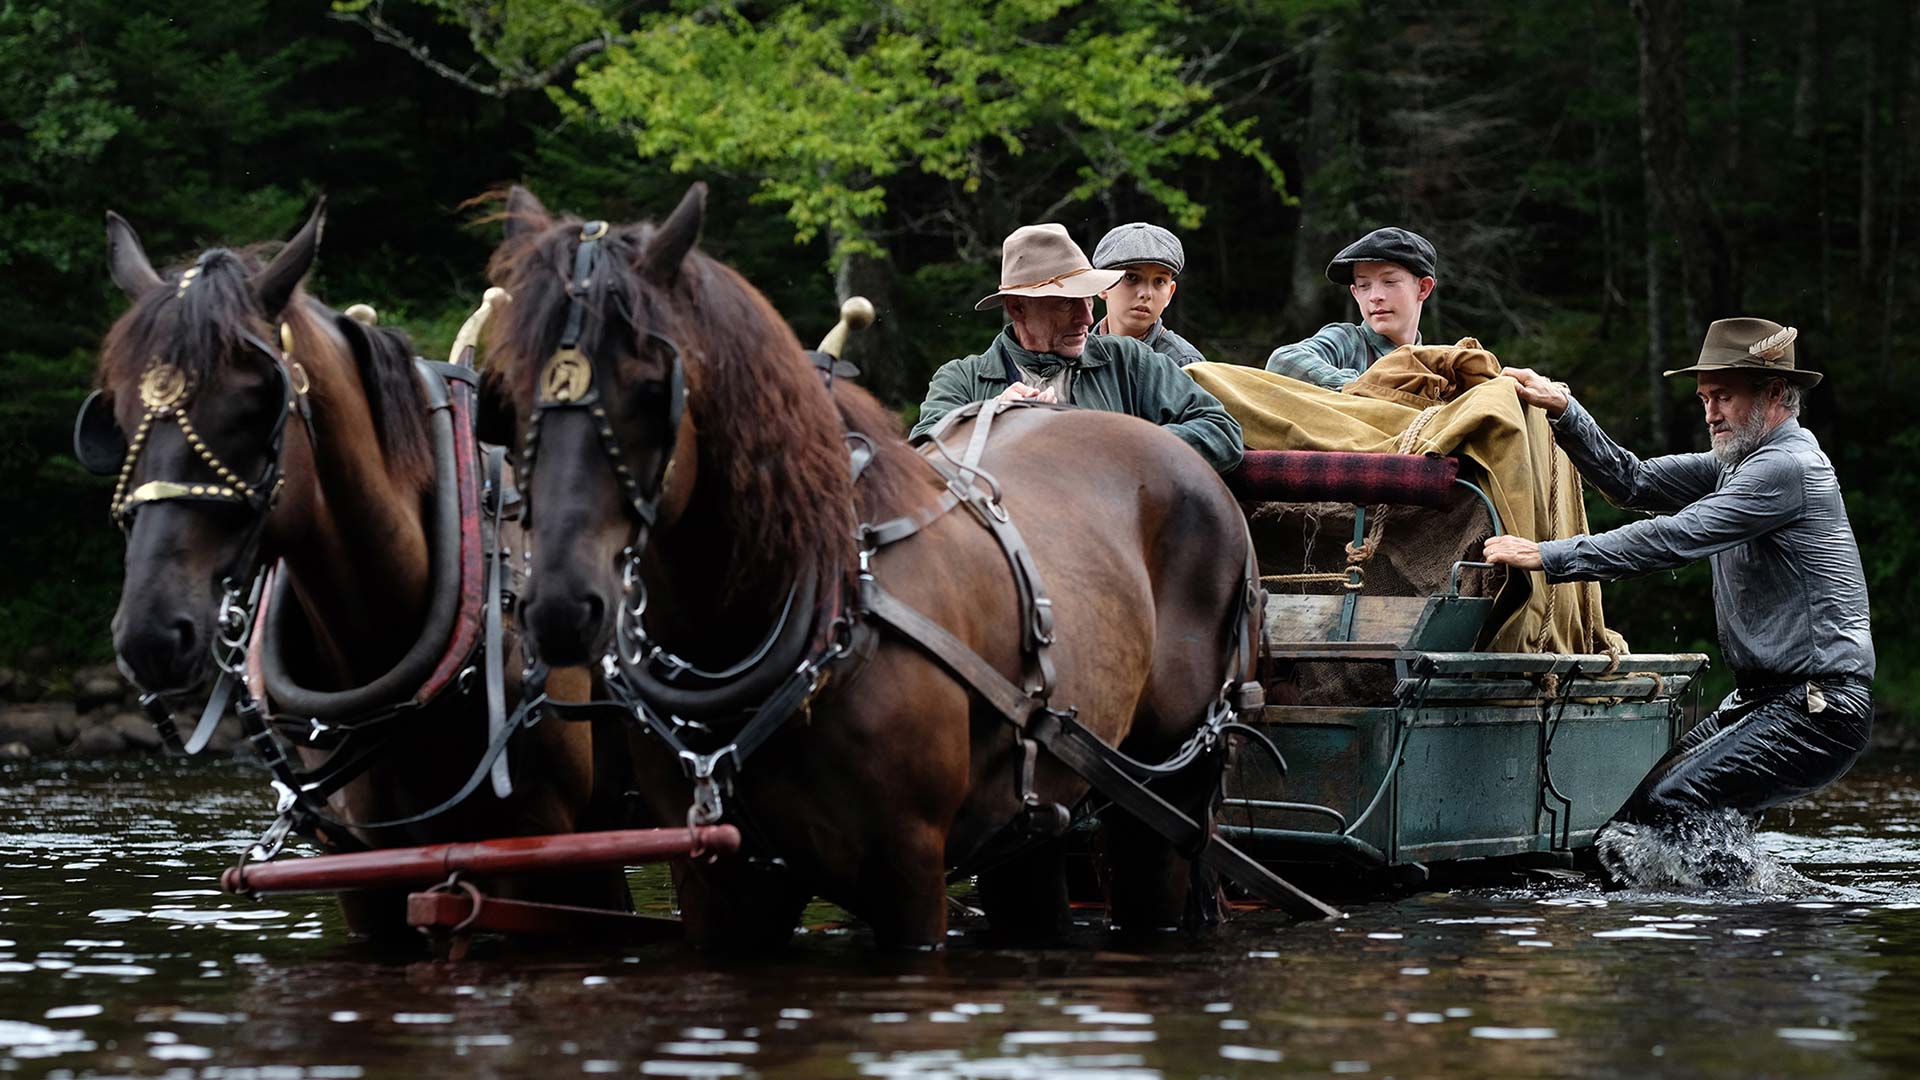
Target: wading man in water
x: 1046, y: 353
x: 1788, y: 590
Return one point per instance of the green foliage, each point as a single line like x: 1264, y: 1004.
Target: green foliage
x: 824, y: 102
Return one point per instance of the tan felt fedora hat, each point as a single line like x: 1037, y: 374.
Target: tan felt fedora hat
x: 1042, y: 260
x: 1753, y: 345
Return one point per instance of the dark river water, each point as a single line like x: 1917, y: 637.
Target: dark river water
x: 118, y: 956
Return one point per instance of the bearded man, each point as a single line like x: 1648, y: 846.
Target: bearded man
x: 1788, y: 591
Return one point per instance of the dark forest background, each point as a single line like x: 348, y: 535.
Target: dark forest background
x: 1602, y: 179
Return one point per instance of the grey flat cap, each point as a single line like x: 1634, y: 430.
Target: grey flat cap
x: 1139, y: 242
x: 1402, y: 247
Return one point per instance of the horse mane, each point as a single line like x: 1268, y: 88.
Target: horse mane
x: 766, y: 420
x: 198, y: 330
x: 392, y: 386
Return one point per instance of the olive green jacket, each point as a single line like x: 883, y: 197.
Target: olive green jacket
x: 1117, y: 374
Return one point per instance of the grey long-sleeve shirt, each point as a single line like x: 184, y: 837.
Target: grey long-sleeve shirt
x: 1334, y: 356
x: 1788, y: 591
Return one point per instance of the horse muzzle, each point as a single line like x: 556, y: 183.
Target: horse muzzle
x: 163, y: 649
x: 566, y: 627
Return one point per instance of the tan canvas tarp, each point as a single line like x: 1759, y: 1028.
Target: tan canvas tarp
x: 1487, y: 425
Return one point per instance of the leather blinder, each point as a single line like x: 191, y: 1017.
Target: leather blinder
x: 98, y: 442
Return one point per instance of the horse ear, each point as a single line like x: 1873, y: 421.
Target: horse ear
x: 274, y: 285
x: 669, y: 245
x: 127, y: 260
x: 494, y: 418
x: 525, y: 213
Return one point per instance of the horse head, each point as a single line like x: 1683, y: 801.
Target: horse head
x: 192, y: 418
x: 660, y: 403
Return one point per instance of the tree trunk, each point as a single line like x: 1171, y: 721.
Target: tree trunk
x: 1868, y: 169
x: 1736, y: 136
x: 1308, y: 289
x: 1809, y: 71
x: 1609, y: 286
x: 1809, y: 126
x: 1656, y: 327
x: 1705, y: 251
x: 1906, y: 105
x: 880, y: 350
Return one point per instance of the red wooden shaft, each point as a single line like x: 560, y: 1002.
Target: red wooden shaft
x: 433, y: 863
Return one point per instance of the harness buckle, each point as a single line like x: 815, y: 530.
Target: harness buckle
x: 275, y: 838
x: 313, y: 735
x: 1043, y: 620
x: 709, y: 804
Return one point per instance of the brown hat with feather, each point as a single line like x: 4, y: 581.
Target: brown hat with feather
x: 1753, y: 345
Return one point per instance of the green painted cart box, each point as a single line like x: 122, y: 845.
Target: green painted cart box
x: 1480, y: 756
x: 1407, y: 752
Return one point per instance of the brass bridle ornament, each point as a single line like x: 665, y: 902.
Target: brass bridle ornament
x: 166, y: 392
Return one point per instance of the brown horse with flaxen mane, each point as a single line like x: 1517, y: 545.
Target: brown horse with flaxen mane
x: 267, y: 427
x: 672, y: 426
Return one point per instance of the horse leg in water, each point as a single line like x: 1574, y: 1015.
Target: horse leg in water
x: 378, y: 916
x: 1025, y: 897
x: 740, y: 910
x: 903, y: 883
x: 1150, y: 881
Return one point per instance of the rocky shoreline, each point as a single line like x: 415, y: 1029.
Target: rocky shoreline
x: 88, y: 712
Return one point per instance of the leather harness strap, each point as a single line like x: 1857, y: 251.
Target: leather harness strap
x: 1108, y: 770
x: 1103, y: 767
x: 968, y: 666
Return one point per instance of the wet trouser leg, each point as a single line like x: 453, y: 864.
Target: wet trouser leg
x: 1758, y: 749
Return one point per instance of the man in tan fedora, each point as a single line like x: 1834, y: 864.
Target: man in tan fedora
x: 1047, y: 353
x: 1788, y: 590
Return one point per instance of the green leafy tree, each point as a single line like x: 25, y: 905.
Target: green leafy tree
x: 829, y: 104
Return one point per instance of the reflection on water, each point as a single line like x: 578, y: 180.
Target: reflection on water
x: 117, y: 956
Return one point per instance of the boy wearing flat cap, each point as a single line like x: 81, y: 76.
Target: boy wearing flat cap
x: 1390, y: 274
x: 1765, y: 508
x: 1151, y: 258
x: 1045, y: 353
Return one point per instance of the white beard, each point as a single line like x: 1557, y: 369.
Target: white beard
x: 1743, y: 440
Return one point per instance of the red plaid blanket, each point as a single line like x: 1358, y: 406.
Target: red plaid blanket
x: 1319, y: 476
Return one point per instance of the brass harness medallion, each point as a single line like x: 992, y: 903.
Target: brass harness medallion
x: 566, y: 377
x: 163, y: 386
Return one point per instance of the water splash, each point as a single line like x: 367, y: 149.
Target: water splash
x: 1715, y: 849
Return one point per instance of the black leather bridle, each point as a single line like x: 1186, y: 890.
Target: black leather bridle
x: 572, y: 380
x: 104, y: 450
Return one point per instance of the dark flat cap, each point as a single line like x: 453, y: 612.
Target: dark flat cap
x: 1140, y: 242
x: 1393, y: 245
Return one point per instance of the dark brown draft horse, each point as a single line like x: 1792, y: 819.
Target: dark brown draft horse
x: 230, y: 477
x: 892, y: 772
